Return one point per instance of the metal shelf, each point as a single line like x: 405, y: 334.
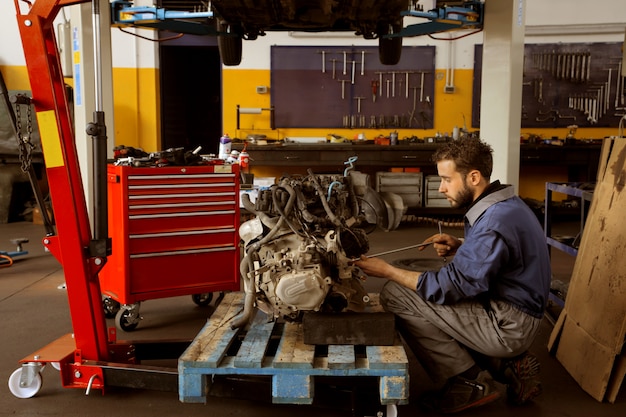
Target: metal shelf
x: 571, y: 189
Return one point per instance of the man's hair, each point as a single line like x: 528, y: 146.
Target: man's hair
x: 467, y: 154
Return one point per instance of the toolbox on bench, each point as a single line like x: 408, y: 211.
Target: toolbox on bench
x: 278, y: 350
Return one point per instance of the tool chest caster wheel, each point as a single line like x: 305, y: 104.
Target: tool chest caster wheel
x: 203, y: 299
x: 110, y: 306
x: 127, y: 318
x: 27, y: 388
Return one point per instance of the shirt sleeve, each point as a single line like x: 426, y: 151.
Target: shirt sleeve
x: 470, y: 272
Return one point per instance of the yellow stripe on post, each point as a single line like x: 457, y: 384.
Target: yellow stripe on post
x: 50, y: 139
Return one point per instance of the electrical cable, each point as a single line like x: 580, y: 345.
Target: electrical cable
x: 8, y: 259
x: 458, y: 37
x: 180, y: 35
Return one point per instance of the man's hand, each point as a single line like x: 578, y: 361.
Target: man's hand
x: 444, y: 244
x: 374, y: 267
x: 377, y: 267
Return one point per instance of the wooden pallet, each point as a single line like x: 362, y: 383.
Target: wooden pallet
x: 292, y: 365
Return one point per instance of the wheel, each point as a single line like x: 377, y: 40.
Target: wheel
x: 392, y: 410
x: 370, y: 216
x: 110, y: 306
x: 203, y: 299
x: 229, y: 45
x: 389, y: 49
x: 127, y: 319
x: 27, y: 391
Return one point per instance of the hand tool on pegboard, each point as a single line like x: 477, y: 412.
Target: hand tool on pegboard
x: 375, y: 84
x: 323, y: 60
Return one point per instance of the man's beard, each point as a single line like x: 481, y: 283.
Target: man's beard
x: 463, y: 199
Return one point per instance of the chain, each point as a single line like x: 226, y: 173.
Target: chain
x: 24, y: 144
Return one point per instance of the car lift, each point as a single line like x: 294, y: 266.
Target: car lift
x: 92, y: 354
x: 441, y: 19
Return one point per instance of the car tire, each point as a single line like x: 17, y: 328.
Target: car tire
x: 230, y: 46
x: 389, y: 49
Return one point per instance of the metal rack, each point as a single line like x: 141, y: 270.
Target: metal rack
x: 574, y: 190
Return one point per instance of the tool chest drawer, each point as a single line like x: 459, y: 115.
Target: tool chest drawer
x: 173, y: 231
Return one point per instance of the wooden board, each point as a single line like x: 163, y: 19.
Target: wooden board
x: 589, y: 337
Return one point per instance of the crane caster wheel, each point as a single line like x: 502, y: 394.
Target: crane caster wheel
x: 203, y: 299
x: 127, y: 318
x: 26, y: 390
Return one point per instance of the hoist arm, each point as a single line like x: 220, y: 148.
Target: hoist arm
x: 71, y: 244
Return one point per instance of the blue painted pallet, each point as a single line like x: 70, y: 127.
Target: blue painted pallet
x: 293, y: 365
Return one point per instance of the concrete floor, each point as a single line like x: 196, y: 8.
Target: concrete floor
x: 34, y: 306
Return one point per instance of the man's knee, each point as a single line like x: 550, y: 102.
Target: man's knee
x: 393, y: 297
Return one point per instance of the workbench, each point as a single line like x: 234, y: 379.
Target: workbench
x: 581, y: 159
x: 277, y: 350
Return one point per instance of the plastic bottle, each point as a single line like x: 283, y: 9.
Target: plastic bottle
x: 225, y: 146
x: 244, y: 159
x: 393, y: 138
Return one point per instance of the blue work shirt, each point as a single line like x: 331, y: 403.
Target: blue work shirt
x: 504, y: 257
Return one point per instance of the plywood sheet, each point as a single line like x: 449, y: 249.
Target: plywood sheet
x: 590, y: 335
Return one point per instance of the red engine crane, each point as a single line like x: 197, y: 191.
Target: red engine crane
x: 91, y: 354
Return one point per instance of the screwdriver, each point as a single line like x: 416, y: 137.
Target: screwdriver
x: 420, y: 245
x: 375, y: 85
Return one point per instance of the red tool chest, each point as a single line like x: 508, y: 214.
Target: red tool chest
x: 174, y: 231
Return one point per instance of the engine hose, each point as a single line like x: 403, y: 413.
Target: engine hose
x: 330, y: 188
x: 249, y: 285
x: 320, y: 193
x: 350, y: 162
x: 284, y: 214
x: 304, y: 212
x: 354, y: 202
x: 250, y: 207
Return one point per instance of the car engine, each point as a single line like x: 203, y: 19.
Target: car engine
x: 299, y: 245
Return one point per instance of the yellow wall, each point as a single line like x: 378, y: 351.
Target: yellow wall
x: 137, y: 108
x: 137, y: 115
x: 15, y: 77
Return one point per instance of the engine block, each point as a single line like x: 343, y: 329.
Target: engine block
x: 299, y: 246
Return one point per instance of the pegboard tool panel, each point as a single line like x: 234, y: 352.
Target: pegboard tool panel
x: 347, y: 86
x: 567, y: 84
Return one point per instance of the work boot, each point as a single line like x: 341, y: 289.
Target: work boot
x: 522, y: 376
x: 460, y: 393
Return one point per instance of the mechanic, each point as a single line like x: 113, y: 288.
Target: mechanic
x: 474, y: 320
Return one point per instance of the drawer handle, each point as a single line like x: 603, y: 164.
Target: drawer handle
x: 291, y: 157
x: 183, y: 252
x: 409, y: 156
x: 166, y: 215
